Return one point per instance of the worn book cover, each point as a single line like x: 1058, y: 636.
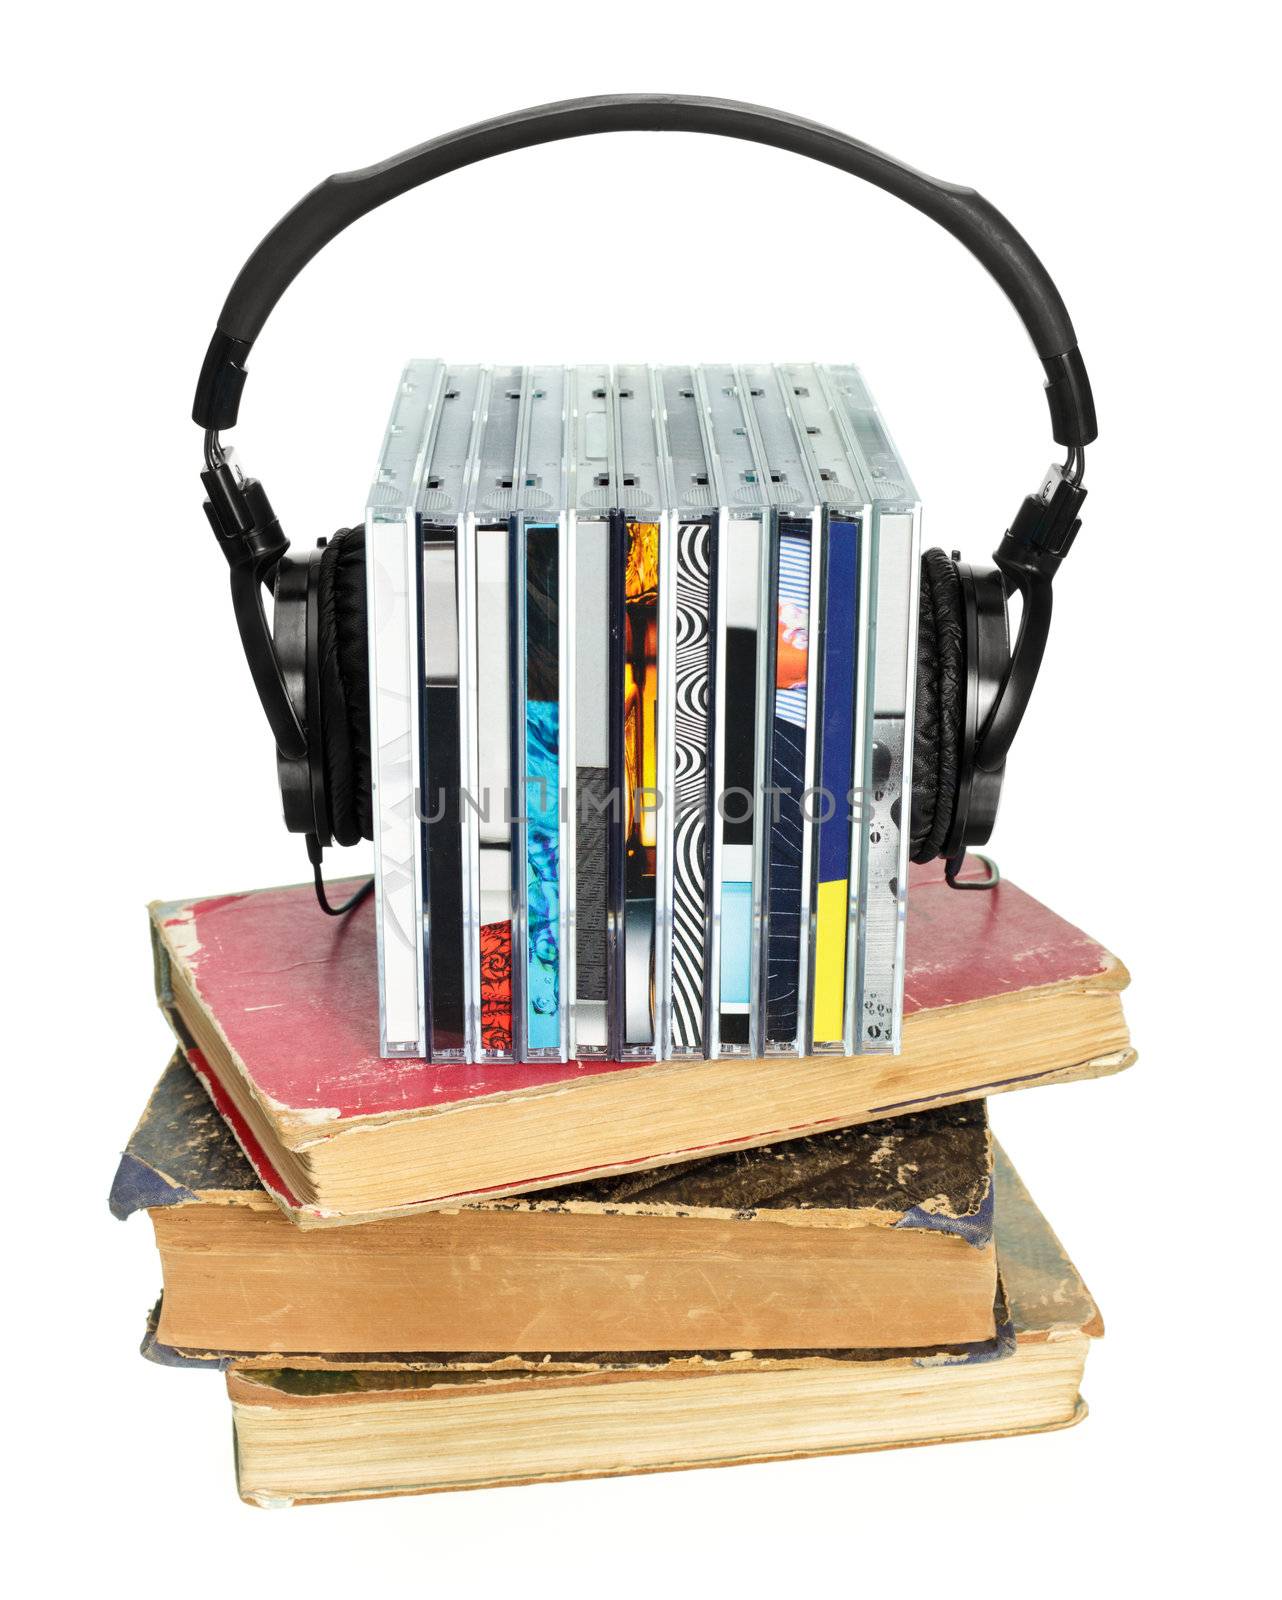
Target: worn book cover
x: 466, y: 1421
x: 877, y: 1235
x: 276, y: 1008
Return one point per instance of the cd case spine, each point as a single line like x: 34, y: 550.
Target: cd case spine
x: 393, y: 575
x: 894, y: 579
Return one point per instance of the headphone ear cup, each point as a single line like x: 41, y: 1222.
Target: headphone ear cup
x: 343, y: 686
x: 941, y: 705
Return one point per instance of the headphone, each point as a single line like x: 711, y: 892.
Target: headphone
x: 312, y: 673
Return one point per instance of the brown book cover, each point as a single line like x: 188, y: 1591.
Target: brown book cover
x: 276, y: 1008
x: 869, y: 1236
x: 310, y: 1435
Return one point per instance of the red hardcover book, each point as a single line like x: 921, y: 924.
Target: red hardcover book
x: 276, y: 1007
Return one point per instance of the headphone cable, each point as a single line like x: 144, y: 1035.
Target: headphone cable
x: 314, y: 854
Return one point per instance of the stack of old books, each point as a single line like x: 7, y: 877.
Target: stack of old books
x: 422, y: 1276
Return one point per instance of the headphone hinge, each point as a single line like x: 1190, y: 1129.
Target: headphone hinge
x: 241, y: 515
x: 1043, y: 531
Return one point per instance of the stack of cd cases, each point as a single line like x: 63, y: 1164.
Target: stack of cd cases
x: 642, y: 647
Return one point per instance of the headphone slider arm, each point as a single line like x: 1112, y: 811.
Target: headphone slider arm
x: 242, y: 518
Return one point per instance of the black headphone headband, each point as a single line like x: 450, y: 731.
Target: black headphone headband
x: 1029, y: 555
x: 342, y: 199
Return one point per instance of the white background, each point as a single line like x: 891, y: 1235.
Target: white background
x: 149, y: 148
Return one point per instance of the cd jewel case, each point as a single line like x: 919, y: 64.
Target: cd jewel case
x: 642, y: 644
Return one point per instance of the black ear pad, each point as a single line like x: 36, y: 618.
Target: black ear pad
x: 941, y: 705
x: 342, y: 685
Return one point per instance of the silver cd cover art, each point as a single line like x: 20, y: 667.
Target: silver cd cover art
x: 641, y: 674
